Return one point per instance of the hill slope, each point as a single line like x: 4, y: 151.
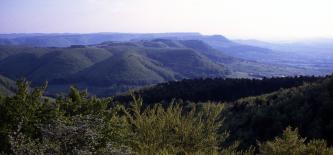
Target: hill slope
x: 305, y: 103
x: 299, y: 58
x: 113, y: 67
x: 110, y: 67
x: 213, y: 89
x: 40, y: 64
x: 142, y: 63
x: 308, y: 107
x: 7, y: 86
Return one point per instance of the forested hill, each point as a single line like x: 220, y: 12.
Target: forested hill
x: 214, y: 89
x: 272, y: 105
x: 312, y: 58
x: 308, y: 107
x: 115, y: 67
x: 111, y: 67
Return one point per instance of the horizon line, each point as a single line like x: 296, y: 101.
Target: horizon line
x: 171, y: 32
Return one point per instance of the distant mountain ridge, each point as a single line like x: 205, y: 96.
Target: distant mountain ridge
x: 109, y: 63
x: 316, y: 54
x: 308, y: 54
x: 111, y: 66
x: 116, y: 66
x: 68, y: 39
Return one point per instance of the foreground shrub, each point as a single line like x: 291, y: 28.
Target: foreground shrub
x: 290, y: 143
x: 174, y: 130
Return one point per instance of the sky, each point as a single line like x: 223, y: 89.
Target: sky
x: 245, y: 19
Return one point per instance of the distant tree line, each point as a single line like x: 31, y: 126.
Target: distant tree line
x: 214, y: 89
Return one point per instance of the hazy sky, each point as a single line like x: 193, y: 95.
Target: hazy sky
x: 260, y: 19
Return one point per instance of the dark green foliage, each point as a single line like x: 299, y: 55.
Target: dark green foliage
x: 217, y: 89
x: 308, y: 107
x: 26, y: 108
x: 82, y: 124
x: 78, y: 103
x: 71, y: 123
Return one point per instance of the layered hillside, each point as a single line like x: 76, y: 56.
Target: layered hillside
x: 110, y: 67
x: 309, y: 57
x: 113, y: 67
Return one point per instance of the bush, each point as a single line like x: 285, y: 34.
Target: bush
x: 290, y: 143
x: 174, y: 130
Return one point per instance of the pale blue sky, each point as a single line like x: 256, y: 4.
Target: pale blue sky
x: 260, y: 19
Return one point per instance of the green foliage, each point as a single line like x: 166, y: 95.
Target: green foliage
x: 77, y: 122
x: 82, y: 124
x: 171, y: 130
x: 214, y: 89
x: 81, y: 137
x: 290, y: 143
x: 79, y: 103
x: 308, y: 107
x: 26, y: 107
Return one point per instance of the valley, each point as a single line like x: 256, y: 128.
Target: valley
x: 109, y: 64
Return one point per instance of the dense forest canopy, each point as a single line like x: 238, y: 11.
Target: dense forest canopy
x: 214, y: 89
x: 78, y: 123
x: 308, y: 107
